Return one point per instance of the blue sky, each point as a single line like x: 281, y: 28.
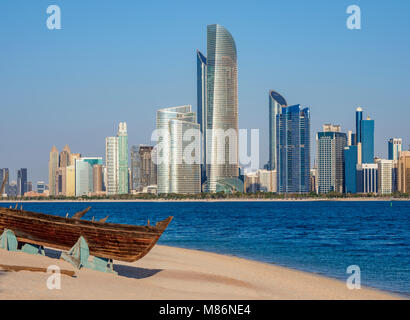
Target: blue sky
x: 118, y: 61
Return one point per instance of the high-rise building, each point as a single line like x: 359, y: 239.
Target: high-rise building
x: 21, y: 181
x: 148, y: 168
x: 403, y: 181
x: 61, y: 183
x: 385, y: 176
x: 202, y: 107
x: 3, y: 173
x: 359, y: 118
x: 111, y: 163
x: 65, y: 157
x: 367, y: 178
x: 122, y: 158
x: 116, y: 161
x: 293, y: 150
x: 135, y: 168
x: 52, y: 169
x: 276, y: 103
x: 175, y: 172
x: 367, y: 140
x: 222, y: 111
x: 97, y: 178
x: 70, y: 180
x: 394, y: 148
x: 330, y: 159
x: 83, y: 178
x: 41, y: 187
x: 350, y: 159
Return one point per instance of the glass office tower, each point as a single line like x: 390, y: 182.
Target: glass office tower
x: 276, y: 103
x: 222, y: 110
x: 350, y: 157
x: 367, y: 140
x: 395, y: 147
x: 359, y: 118
x: 201, y: 107
x: 122, y: 158
x: 293, y: 150
x: 174, y: 173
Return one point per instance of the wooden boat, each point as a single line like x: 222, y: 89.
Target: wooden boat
x: 106, y: 240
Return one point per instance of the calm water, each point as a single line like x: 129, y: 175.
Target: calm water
x: 320, y: 237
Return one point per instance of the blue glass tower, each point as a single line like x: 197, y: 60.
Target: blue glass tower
x: 293, y: 149
x: 201, y: 107
x: 367, y: 140
x: 350, y: 158
x: 359, y: 118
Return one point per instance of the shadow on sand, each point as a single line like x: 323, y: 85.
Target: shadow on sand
x: 122, y: 270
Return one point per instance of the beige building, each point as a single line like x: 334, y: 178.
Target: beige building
x: 260, y: 181
x: 403, y: 179
x: 60, y: 182
x: 52, y: 169
x: 65, y: 157
x: 70, y: 181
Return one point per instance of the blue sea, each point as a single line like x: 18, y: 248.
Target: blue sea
x: 321, y: 237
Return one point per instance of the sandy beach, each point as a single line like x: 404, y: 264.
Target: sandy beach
x: 174, y: 273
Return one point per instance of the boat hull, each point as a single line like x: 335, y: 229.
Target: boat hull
x: 106, y: 240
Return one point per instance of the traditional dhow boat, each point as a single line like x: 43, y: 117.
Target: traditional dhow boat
x: 105, y: 240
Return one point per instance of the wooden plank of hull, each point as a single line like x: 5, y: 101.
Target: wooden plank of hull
x: 107, y: 240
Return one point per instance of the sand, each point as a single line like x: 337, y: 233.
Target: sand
x: 174, y: 273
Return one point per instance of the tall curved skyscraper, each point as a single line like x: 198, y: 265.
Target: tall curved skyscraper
x: 222, y: 109
x: 276, y: 103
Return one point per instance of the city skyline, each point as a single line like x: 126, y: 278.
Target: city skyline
x: 137, y: 102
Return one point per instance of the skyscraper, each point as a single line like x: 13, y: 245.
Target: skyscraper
x: 176, y: 173
x: 394, y: 148
x: 84, y: 180
x: 52, y: 169
x: 359, y: 118
x: 404, y: 172
x: 330, y: 159
x: 222, y: 110
x: 367, y: 140
x: 70, y: 180
x: 21, y: 181
x: 385, y: 176
x: 111, y: 163
x: 135, y: 168
x: 351, y: 159
x: 3, y: 173
x: 202, y: 107
x: 97, y: 178
x: 65, y: 157
x: 293, y: 149
x: 276, y: 103
x: 122, y: 158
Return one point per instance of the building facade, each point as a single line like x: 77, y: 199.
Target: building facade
x: 222, y: 110
x: 394, y: 148
x: 330, y: 159
x: 367, y: 140
x: 403, y: 179
x: 201, y: 92
x: 367, y: 178
x: 4, y: 172
x: 175, y: 172
x: 276, y: 103
x: 52, y: 169
x: 122, y: 158
x: 21, y: 181
x: 293, y: 150
x: 385, y: 176
x: 111, y: 163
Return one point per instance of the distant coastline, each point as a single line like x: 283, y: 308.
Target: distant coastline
x: 353, y: 199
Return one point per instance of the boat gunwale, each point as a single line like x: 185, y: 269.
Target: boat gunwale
x: 85, y: 223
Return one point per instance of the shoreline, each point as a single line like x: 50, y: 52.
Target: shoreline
x: 212, y: 200
x: 172, y: 273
